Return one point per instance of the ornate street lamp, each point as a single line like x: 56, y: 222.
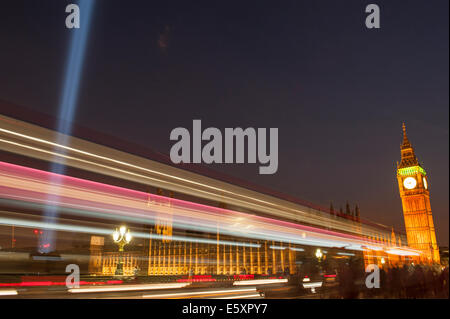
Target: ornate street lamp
x: 121, y: 237
x: 319, y: 253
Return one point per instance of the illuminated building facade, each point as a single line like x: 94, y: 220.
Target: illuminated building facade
x: 415, y: 195
x: 183, y: 223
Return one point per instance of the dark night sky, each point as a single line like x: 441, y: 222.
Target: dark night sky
x: 337, y: 91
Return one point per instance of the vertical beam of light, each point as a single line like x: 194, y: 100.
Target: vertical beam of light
x: 66, y: 112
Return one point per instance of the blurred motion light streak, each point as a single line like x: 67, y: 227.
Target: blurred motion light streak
x: 130, y: 287
x: 313, y: 285
x: 178, y: 182
x: 240, y: 296
x: 259, y: 282
x: 8, y: 292
x: 88, y: 198
x: 179, y: 294
x: 103, y: 231
x: 400, y: 252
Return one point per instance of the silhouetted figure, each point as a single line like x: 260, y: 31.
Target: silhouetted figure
x: 395, y: 283
x: 443, y: 278
x: 420, y: 282
x: 405, y: 282
x: 347, y: 287
x: 384, y: 289
x: 430, y: 282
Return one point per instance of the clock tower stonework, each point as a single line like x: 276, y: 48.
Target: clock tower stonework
x: 415, y: 195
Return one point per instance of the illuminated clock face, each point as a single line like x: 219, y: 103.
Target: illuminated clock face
x: 409, y: 182
x: 425, y: 184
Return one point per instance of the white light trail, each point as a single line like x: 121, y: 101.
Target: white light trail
x: 129, y: 288
x: 8, y: 292
x: 259, y: 282
x: 313, y: 285
x: 277, y: 208
x: 108, y: 232
x: 240, y: 297
x: 180, y: 294
x: 400, y: 252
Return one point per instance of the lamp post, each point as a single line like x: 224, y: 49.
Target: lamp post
x: 319, y: 254
x: 121, y: 237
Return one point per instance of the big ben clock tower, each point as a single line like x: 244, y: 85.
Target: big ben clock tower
x: 415, y: 195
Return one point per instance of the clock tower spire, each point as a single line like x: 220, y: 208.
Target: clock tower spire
x: 407, y: 151
x: 415, y: 195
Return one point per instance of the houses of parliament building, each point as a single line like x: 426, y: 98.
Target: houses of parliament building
x: 186, y: 223
x: 244, y: 256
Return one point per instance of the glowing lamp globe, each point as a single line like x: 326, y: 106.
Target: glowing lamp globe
x: 128, y: 237
x: 319, y: 253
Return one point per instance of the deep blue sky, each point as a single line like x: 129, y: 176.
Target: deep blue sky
x: 337, y: 91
